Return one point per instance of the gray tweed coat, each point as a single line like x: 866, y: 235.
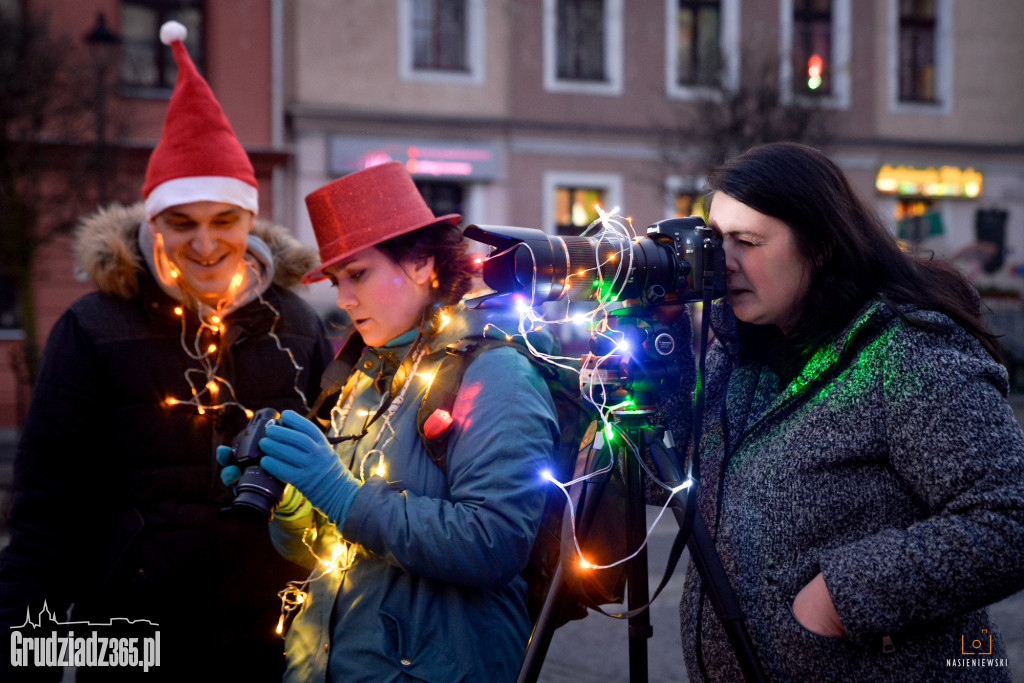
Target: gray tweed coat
x: 893, y: 465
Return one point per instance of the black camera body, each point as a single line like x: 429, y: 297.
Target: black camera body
x: 680, y: 260
x: 257, y: 493
x: 699, y: 259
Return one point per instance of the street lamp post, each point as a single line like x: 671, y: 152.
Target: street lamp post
x: 103, y: 44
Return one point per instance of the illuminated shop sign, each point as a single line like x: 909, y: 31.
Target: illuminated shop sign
x: 421, y: 157
x: 944, y: 181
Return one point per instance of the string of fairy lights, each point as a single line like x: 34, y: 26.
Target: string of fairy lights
x: 204, y: 345
x: 343, y: 556
x: 609, y: 228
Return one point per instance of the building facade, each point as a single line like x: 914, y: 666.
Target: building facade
x: 530, y: 112
x: 526, y: 112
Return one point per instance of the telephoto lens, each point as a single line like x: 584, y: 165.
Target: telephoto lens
x: 679, y: 260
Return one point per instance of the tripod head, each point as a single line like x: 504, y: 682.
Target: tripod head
x: 633, y: 359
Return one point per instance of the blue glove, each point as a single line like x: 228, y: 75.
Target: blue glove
x: 297, y: 452
x: 231, y: 473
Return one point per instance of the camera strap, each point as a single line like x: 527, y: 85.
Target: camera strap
x: 337, y: 372
x: 390, y: 400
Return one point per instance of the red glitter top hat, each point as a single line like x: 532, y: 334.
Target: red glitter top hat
x: 364, y: 209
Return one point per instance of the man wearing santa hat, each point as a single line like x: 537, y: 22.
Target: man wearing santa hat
x: 118, y: 511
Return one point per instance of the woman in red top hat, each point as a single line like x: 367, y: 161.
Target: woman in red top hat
x: 415, y: 568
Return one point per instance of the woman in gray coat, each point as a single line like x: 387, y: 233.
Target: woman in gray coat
x: 863, y: 475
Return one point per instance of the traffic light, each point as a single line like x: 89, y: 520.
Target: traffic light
x: 815, y: 68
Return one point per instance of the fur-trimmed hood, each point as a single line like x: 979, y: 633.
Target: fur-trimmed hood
x: 106, y: 249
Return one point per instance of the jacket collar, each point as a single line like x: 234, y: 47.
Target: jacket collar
x: 872, y: 318
x: 106, y: 250
x: 752, y: 389
x: 446, y: 326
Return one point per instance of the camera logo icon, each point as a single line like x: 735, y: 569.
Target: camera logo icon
x: 977, y: 644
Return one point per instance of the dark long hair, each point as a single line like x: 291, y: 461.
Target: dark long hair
x: 445, y: 243
x: 853, y: 257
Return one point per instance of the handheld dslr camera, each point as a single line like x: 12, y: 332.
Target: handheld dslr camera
x: 257, y: 493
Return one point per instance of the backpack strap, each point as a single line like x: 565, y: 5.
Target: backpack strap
x: 336, y: 373
x: 433, y: 419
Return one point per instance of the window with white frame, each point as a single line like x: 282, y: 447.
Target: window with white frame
x: 570, y: 199
x: 441, y: 40
x: 583, y: 46
x: 920, y: 48
x: 439, y: 35
x: 684, y: 197
x: 812, y: 47
x: 917, y: 45
x: 579, y: 40
x: 702, y: 47
x: 699, y: 51
x: 816, y: 47
x: 146, y: 63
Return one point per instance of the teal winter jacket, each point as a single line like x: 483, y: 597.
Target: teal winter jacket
x: 433, y: 591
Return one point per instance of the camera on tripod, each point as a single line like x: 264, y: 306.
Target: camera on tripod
x: 257, y: 492
x: 634, y: 356
x: 679, y: 260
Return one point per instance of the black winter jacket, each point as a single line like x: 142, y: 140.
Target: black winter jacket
x: 118, y: 507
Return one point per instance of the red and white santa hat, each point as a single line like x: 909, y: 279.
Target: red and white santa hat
x: 198, y: 157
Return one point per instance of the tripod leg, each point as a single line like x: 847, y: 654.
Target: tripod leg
x: 589, y: 493
x: 638, y: 591
x: 543, y: 630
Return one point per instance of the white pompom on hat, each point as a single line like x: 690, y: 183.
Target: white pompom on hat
x: 199, y: 157
x: 173, y: 32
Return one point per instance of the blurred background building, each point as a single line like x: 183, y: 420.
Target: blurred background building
x: 517, y: 112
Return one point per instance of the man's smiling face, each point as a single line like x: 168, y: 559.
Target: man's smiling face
x: 206, y: 242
